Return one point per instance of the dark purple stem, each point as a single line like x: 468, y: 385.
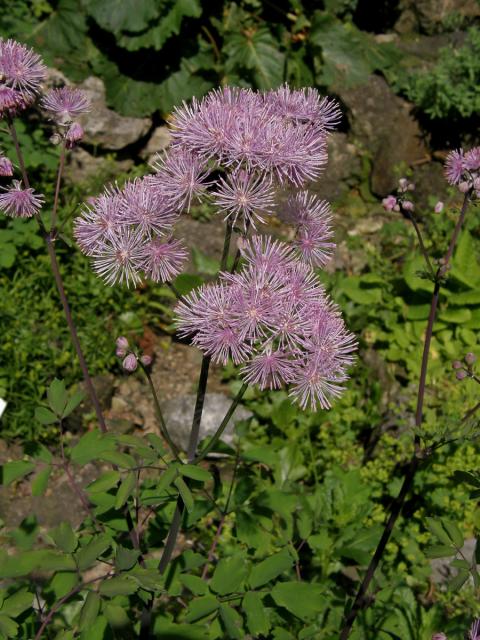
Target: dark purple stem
x: 361, y: 601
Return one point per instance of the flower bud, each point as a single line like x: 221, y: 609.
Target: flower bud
x: 122, y: 342
x: 6, y: 167
x: 470, y: 358
x: 56, y: 139
x: 461, y: 375
x: 130, y: 362
x: 389, y: 203
x: 74, y: 134
x: 439, y: 636
x: 411, y: 186
x: 120, y: 352
x: 439, y: 207
x: 146, y: 360
x: 402, y: 184
x: 476, y: 183
x: 456, y: 364
x: 396, y: 207
x: 408, y: 206
x: 464, y: 186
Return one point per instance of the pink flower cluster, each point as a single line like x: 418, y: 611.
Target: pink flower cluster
x: 463, y: 170
x: 237, y: 148
x: 274, y: 318
x: 128, y: 232
x: 21, y: 74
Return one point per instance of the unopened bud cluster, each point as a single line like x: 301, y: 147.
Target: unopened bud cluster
x: 464, y: 369
x: 401, y: 200
x: 130, y: 358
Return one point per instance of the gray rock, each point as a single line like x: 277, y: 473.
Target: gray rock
x: 82, y: 166
x: 430, y: 16
x: 178, y: 414
x: 158, y: 141
x: 343, y: 169
x: 376, y: 117
x: 106, y: 128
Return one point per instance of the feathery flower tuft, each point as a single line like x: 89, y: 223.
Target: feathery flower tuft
x: 181, y: 177
x: 18, y: 202
x: 21, y: 69
x: 454, y: 167
x: 65, y: 104
x: 119, y: 259
x: 164, y: 260
x: 244, y: 195
x: 274, y: 318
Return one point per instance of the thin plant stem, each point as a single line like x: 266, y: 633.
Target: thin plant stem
x: 361, y: 601
x: 61, y: 166
x: 73, y: 333
x: 222, y: 519
x: 49, y: 241
x: 420, y: 242
x: 218, y: 434
x: 18, y: 151
x: 62, y: 601
x: 195, y: 430
x: 159, y: 414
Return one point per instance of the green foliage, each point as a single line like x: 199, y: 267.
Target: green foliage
x: 451, y: 88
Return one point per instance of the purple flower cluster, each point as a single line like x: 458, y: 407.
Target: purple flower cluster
x: 128, y: 232
x: 463, y: 170
x: 19, y: 202
x: 21, y: 74
x: 260, y: 141
x: 236, y: 147
x: 274, y: 318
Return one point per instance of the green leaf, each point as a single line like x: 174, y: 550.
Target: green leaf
x: 185, y: 494
x: 465, y: 267
x: 57, y: 397
x: 116, y: 615
x: 302, y: 599
x: 257, y: 621
x: 87, y: 555
x: 74, y: 400
x: 14, y: 470
x: 169, y: 24
x: 92, y: 446
x: 125, y: 558
x: 229, y: 575
x: 232, y: 622
x: 455, y: 316
x: 454, y: 533
x: 105, y: 482
x: 195, y: 473
x: 17, y: 603
x: 270, y: 568
x: 26, y: 562
x: 45, y: 416
x: 65, y: 537
x: 204, y: 264
x: 167, y: 478
x: 201, y: 607
x: 125, y: 490
x: 118, y: 586
x: 185, y: 282
x: 90, y: 610
x: 439, y: 551
x: 8, y: 628
x: 123, y: 15
x: 257, y: 50
x: 122, y: 460
x: 40, y: 481
x: 349, y: 55
x: 437, y: 529
x: 194, y: 584
x: 459, y: 580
